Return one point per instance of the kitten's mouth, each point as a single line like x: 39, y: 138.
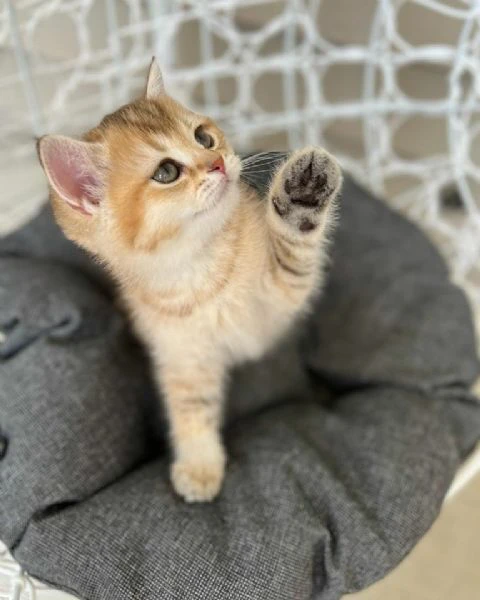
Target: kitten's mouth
x: 222, y: 174
x: 216, y: 198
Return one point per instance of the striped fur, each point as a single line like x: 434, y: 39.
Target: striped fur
x: 210, y: 275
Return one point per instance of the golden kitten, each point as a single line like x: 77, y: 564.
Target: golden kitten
x: 211, y: 275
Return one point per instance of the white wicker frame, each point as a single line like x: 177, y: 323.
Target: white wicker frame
x: 107, y: 66
x: 96, y: 77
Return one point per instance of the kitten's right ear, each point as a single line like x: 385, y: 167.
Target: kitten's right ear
x: 73, y: 170
x: 155, y: 87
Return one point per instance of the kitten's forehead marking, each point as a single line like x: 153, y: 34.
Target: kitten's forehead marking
x: 180, y: 145
x: 155, y: 130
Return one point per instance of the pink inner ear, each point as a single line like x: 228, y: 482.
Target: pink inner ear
x: 72, y: 173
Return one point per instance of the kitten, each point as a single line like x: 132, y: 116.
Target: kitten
x: 211, y: 276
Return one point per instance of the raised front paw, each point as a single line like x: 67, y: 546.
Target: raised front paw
x: 304, y: 186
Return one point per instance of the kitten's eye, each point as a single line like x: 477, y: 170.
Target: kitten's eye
x: 167, y: 172
x: 204, y: 138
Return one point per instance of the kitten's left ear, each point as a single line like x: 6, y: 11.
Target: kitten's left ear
x: 155, y: 87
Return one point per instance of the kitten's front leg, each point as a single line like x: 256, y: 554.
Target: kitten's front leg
x: 193, y: 396
x: 299, y: 214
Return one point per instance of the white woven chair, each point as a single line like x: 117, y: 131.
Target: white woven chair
x: 392, y: 87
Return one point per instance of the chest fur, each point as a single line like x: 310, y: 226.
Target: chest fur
x: 238, y: 324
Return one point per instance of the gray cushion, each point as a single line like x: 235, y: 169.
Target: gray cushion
x: 342, y: 442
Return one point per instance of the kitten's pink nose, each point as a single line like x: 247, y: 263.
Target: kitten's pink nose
x: 217, y: 165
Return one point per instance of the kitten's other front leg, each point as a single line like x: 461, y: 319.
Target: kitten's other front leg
x: 193, y: 396
x: 300, y: 212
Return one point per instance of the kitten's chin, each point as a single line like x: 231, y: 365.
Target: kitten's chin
x: 213, y: 218
x: 220, y: 193
x: 223, y: 196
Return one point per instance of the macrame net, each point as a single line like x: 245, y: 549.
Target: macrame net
x: 390, y: 86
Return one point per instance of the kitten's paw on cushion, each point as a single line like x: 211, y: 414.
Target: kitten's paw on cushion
x: 196, y: 480
x: 304, y: 186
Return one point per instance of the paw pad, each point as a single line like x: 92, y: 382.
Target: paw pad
x: 310, y: 180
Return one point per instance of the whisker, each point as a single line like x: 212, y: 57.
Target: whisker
x: 254, y: 157
x: 255, y: 171
x: 257, y: 159
x: 253, y: 180
x: 264, y: 155
x: 255, y: 167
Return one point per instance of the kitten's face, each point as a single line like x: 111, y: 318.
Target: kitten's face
x: 150, y: 173
x: 168, y: 169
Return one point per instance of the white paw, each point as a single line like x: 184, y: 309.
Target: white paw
x: 196, y: 480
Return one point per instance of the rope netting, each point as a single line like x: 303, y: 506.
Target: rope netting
x: 391, y: 86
